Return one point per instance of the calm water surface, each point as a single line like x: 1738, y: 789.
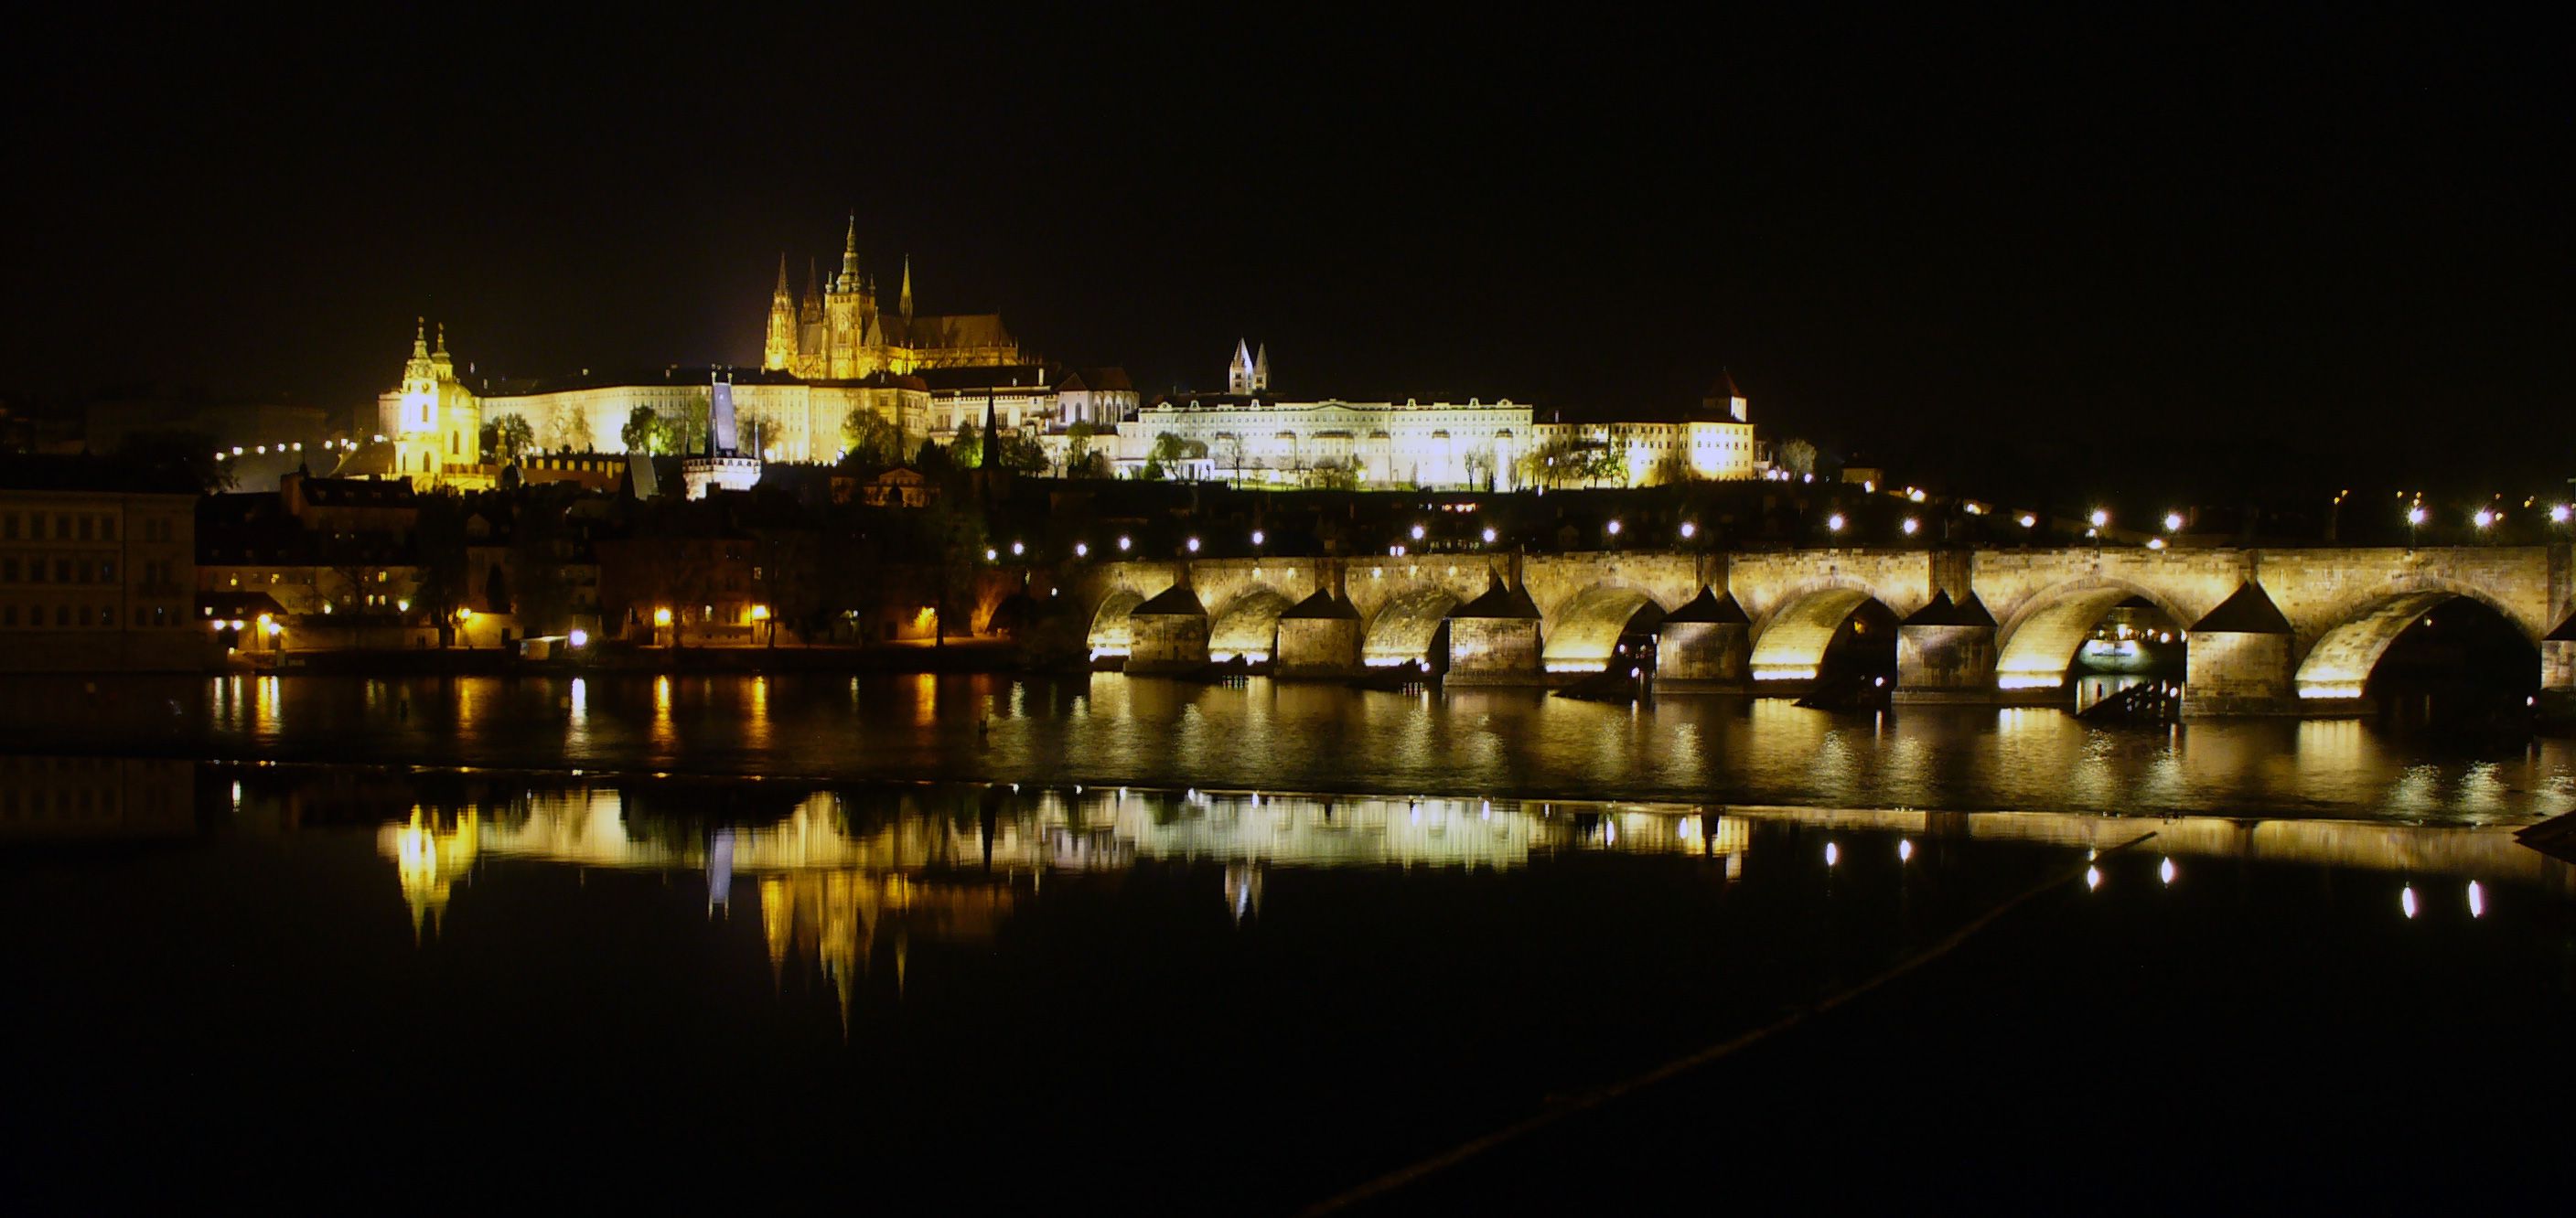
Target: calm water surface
x: 365, y: 987
x: 1258, y: 734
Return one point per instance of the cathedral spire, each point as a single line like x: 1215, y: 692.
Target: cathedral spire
x: 850, y: 256
x: 420, y: 337
x: 442, y: 341
x: 782, y: 275
x: 907, y: 287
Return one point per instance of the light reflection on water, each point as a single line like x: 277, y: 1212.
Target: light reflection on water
x: 1309, y: 737
x: 840, y: 873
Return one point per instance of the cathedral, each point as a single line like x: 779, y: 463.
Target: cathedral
x: 838, y: 332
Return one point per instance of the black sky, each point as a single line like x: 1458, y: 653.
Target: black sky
x: 2348, y: 231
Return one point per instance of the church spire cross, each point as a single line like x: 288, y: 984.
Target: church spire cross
x: 850, y: 256
x: 420, y: 337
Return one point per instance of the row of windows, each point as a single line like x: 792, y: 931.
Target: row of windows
x: 65, y: 571
x: 67, y: 526
x: 76, y: 617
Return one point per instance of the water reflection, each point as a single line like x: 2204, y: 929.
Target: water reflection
x: 1112, y: 728
x: 846, y: 880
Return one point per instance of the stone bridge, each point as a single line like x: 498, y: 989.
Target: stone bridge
x: 2267, y: 630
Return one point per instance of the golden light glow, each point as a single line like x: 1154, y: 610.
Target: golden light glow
x: 662, y: 616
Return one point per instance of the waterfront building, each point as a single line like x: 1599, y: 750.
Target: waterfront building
x: 97, y: 569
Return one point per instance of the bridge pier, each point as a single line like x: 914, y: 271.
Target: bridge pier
x: 2238, y: 660
x: 1168, y: 633
x: 1319, y: 637
x: 1945, y: 652
x: 1703, y: 646
x: 1494, y: 640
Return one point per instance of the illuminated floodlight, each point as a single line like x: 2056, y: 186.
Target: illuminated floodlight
x: 2485, y: 517
x: 2558, y: 513
x: 578, y: 638
x: 2027, y: 520
x: 2173, y: 522
x: 662, y: 616
x: 2155, y: 543
x: 2100, y: 518
x: 2406, y: 900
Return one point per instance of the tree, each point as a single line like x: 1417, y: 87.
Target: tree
x: 646, y: 432
x: 507, y: 438
x: 968, y: 450
x: 1556, y: 462
x: 1796, y: 456
x: 1077, y: 450
x: 1022, y: 453
x: 1169, y: 450
x: 1335, y: 475
x: 871, y: 438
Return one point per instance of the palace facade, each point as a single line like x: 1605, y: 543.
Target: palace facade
x: 1246, y: 435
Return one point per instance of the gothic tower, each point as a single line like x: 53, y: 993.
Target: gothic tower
x: 779, y: 348
x: 841, y: 313
x: 1248, y: 374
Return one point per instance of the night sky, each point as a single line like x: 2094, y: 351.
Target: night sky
x: 2343, y: 238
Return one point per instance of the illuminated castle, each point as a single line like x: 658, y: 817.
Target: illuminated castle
x: 824, y: 359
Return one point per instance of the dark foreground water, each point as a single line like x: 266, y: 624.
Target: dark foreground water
x: 364, y: 989
x: 1266, y: 735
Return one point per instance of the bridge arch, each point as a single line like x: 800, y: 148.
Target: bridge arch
x: 1793, y: 638
x: 1584, y: 630
x: 1407, y: 627
x: 2037, y: 645
x: 1111, y: 633
x: 1248, y: 626
x: 2341, y: 663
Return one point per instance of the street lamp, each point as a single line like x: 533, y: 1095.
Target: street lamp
x: 1082, y: 549
x: 2558, y: 513
x: 1193, y: 544
x: 1017, y: 549
x: 2173, y: 522
x: 2100, y: 518
x: 2485, y: 517
x: 2414, y: 521
x: 1122, y: 544
x: 1834, y: 523
x: 1689, y: 530
x: 1910, y: 525
x: 1489, y: 535
x: 1256, y: 537
x: 2028, y: 520
x: 1417, y: 532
